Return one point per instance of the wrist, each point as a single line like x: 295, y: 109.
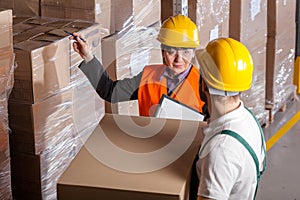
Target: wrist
x: 88, y: 58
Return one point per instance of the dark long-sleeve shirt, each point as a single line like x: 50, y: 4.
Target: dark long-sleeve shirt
x: 109, y: 90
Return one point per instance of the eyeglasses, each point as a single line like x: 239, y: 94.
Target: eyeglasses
x: 182, y: 52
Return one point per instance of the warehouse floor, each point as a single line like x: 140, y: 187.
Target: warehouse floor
x: 281, y: 179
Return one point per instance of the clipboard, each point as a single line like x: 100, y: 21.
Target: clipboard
x: 171, y: 108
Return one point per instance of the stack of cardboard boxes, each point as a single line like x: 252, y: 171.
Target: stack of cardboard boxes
x: 6, y: 84
x: 248, y: 24
x: 52, y: 107
x: 281, y: 40
x: 130, y: 28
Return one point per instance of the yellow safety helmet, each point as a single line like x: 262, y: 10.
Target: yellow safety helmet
x: 179, y: 31
x: 226, y: 65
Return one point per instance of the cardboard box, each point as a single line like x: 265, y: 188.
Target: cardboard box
x: 27, y: 8
x: 125, y: 55
x: 21, y: 7
x: 30, y: 33
x: 35, y: 176
x: 43, y: 69
x: 87, y: 107
x: 6, y: 39
x: 4, y: 148
x: 280, y: 52
x: 136, y: 12
x: 37, y: 126
x: 248, y: 24
x: 5, y: 181
x: 58, y: 3
x: 6, y: 73
x: 7, y: 4
x: 211, y: 18
x: 98, y: 11
x: 126, y: 108
x: 53, y: 11
x: 124, y: 176
x: 5, y: 178
x: 167, y: 9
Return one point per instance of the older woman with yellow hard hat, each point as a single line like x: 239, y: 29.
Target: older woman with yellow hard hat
x: 175, y: 77
x: 232, y: 156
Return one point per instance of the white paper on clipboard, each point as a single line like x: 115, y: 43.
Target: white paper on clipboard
x: 170, y: 108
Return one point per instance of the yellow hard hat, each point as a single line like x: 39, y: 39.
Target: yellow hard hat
x: 226, y: 65
x: 179, y: 31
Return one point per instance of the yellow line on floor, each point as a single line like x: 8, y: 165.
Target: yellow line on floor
x: 282, y: 131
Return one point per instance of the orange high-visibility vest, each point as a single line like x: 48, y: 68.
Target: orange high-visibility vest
x: 152, y: 88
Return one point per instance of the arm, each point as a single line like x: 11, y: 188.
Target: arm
x: 109, y: 90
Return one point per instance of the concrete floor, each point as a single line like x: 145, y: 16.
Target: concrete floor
x: 281, y: 180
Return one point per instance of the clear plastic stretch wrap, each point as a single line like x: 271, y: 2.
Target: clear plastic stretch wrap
x: 280, y: 53
x: 6, y: 84
x: 62, y: 108
x: 211, y: 17
x: 21, y: 7
x: 99, y: 11
x: 283, y: 84
x: 134, y: 45
x: 134, y: 13
x: 248, y: 24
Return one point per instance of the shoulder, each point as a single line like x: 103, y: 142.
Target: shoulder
x: 153, y: 67
x: 150, y: 69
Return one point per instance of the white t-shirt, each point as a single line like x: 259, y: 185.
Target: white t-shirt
x: 225, y: 168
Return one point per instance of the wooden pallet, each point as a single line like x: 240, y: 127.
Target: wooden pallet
x: 281, y: 107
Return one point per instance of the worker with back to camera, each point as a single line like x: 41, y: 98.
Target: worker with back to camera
x: 176, y: 77
x: 232, y: 156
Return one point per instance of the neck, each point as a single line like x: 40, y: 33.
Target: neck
x: 223, y: 105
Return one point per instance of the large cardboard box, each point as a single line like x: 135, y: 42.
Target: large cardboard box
x: 134, y: 158
x: 6, y: 30
x: 6, y: 84
x: 211, y: 18
x: 6, y: 74
x: 46, y: 58
x: 35, y: 176
x: 99, y: 11
x: 166, y: 9
x: 248, y: 24
x: 21, y: 7
x: 43, y: 69
x: 5, y: 179
x: 130, y: 13
x: 46, y: 137
x: 280, y: 53
x: 126, y: 54
x: 37, y: 126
